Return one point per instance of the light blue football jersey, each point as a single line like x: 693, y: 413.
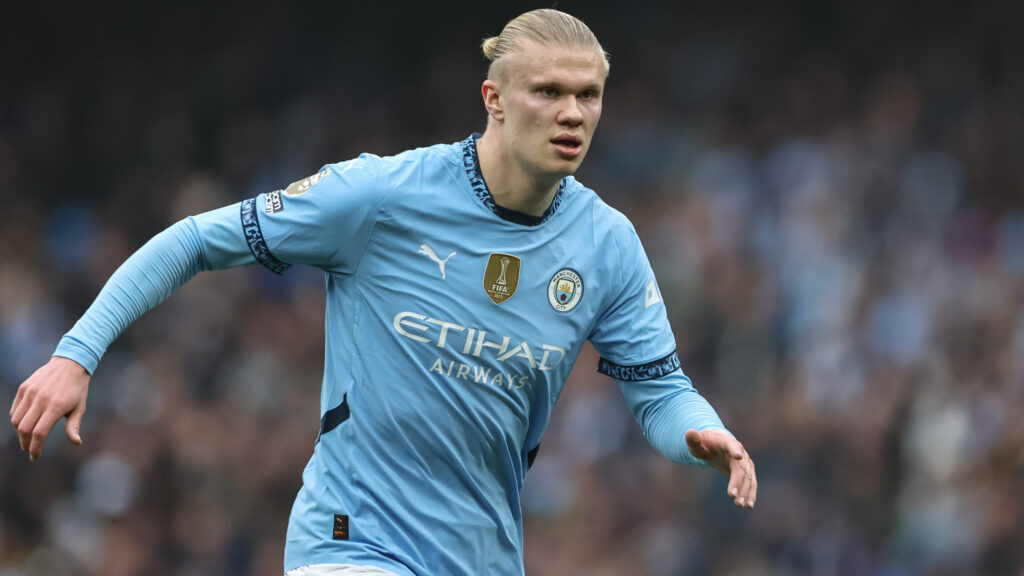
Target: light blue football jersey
x: 451, y: 327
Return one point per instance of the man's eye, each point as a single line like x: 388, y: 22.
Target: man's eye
x: 588, y: 95
x: 549, y: 91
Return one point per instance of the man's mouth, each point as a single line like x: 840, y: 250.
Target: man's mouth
x: 568, y: 145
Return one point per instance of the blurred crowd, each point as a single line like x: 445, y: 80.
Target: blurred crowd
x: 831, y: 194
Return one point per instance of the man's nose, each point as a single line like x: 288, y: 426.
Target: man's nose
x: 571, y: 113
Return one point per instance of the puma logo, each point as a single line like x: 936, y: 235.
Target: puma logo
x: 429, y: 252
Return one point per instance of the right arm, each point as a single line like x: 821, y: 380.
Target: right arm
x: 323, y: 221
x: 148, y: 277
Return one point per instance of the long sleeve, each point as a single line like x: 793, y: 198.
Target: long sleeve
x: 306, y: 224
x: 637, y: 349
x: 148, y: 277
x: 666, y: 407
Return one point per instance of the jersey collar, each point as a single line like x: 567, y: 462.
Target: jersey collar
x: 476, y: 179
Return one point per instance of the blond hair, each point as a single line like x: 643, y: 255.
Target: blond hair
x: 545, y: 26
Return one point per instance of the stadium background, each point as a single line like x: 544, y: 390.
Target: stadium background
x: 832, y: 194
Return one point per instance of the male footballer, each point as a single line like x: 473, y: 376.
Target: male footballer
x: 462, y: 281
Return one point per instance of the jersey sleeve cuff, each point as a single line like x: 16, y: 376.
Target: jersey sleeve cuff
x: 71, y: 348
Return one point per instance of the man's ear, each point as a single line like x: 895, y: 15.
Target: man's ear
x: 492, y: 100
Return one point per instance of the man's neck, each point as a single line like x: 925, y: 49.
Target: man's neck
x: 512, y: 187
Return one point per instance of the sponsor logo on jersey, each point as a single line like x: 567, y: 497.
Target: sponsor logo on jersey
x: 565, y: 290
x: 651, y: 297
x: 303, y: 186
x: 429, y: 253
x: 274, y: 203
x: 501, y: 277
x: 475, y: 355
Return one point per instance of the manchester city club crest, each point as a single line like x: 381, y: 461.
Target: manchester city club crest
x: 565, y: 290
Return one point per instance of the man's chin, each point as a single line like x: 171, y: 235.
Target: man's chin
x: 567, y: 167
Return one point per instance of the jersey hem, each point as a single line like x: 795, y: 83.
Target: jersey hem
x: 396, y: 569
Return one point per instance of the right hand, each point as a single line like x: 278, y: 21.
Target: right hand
x: 56, y: 390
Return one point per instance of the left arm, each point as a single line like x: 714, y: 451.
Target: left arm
x: 637, y: 349
x: 666, y: 407
x: 683, y: 427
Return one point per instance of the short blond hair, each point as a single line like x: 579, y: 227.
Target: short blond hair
x: 545, y: 26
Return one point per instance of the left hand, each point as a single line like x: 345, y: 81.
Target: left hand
x: 727, y: 455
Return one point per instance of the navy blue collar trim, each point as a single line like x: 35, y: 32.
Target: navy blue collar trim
x: 476, y: 179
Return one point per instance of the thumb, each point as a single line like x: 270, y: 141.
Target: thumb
x: 694, y: 442
x: 74, y: 424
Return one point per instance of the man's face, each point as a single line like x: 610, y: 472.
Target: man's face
x: 551, y: 99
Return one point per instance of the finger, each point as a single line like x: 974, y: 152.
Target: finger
x: 747, y: 481
x: 26, y: 424
x: 735, y: 484
x: 40, y: 432
x: 752, y: 490
x: 698, y: 447
x: 14, y: 405
x: 22, y: 405
x: 73, y: 426
x: 744, y: 494
x: 693, y: 442
x: 739, y: 479
x: 735, y: 474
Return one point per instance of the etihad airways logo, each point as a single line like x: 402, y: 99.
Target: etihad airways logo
x: 478, y: 343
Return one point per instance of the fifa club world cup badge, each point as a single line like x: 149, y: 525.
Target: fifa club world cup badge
x: 501, y: 277
x: 565, y: 290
